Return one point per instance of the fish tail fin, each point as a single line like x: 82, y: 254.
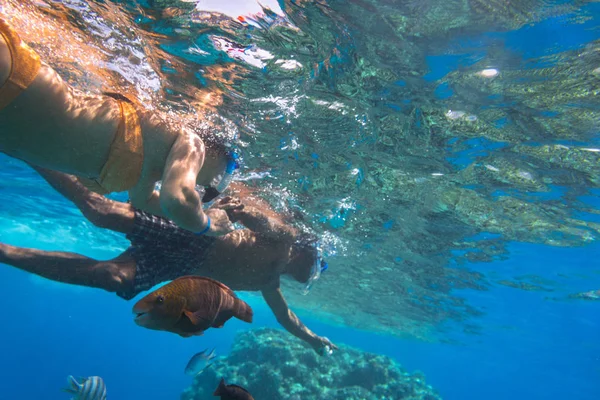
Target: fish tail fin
x: 242, y: 311
x: 73, y: 387
x: 220, y: 390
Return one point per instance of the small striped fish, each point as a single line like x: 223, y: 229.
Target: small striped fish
x: 92, y: 388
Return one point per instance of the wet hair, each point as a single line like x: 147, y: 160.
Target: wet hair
x: 216, y: 146
x: 305, y: 240
x: 215, y: 143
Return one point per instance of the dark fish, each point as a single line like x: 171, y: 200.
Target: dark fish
x: 190, y: 305
x: 199, y: 362
x: 92, y: 388
x: 232, y: 392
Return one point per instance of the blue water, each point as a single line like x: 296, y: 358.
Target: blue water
x: 546, y: 350
x: 532, y: 348
x: 536, y: 345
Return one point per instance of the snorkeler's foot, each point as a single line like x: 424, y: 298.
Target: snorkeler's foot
x: 2, y: 253
x: 67, y: 185
x: 5, y: 253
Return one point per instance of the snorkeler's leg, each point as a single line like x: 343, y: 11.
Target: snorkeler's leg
x: 113, y: 275
x: 100, y: 211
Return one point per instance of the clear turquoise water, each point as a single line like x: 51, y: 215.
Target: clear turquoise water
x: 531, y: 349
x: 527, y: 345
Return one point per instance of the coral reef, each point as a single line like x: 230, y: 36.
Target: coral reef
x: 272, y: 365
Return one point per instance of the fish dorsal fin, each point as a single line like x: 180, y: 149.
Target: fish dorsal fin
x: 203, y: 278
x: 221, y: 388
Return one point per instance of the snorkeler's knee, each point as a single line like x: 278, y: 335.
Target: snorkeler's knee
x: 112, y: 277
x: 97, y: 210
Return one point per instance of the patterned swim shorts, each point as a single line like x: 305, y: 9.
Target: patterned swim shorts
x: 163, y: 251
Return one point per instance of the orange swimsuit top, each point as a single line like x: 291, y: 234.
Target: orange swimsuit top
x: 25, y: 65
x: 123, y: 167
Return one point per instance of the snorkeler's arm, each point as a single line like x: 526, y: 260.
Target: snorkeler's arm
x: 178, y: 197
x: 145, y: 197
x: 256, y: 219
x: 99, y: 210
x: 292, y: 323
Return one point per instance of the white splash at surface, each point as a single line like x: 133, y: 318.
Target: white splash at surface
x: 488, y: 72
x: 236, y: 8
x: 452, y: 114
x: 253, y: 175
x: 289, y: 64
x: 251, y: 55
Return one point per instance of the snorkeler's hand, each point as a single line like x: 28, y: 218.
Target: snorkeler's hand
x: 219, y: 222
x: 253, y: 218
x: 323, y: 346
x: 232, y: 206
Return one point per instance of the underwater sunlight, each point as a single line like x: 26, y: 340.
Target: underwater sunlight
x: 300, y: 199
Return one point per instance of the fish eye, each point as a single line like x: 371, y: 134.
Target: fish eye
x: 160, y: 299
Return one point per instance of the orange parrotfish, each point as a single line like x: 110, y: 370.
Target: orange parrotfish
x: 189, y: 305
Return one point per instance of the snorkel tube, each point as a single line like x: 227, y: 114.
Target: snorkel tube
x: 232, y: 165
x: 318, y: 267
x: 212, y: 193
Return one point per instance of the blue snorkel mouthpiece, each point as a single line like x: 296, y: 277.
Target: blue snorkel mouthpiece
x: 324, y: 266
x: 232, y: 162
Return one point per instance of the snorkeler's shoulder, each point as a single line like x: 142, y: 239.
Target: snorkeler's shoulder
x: 158, y: 138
